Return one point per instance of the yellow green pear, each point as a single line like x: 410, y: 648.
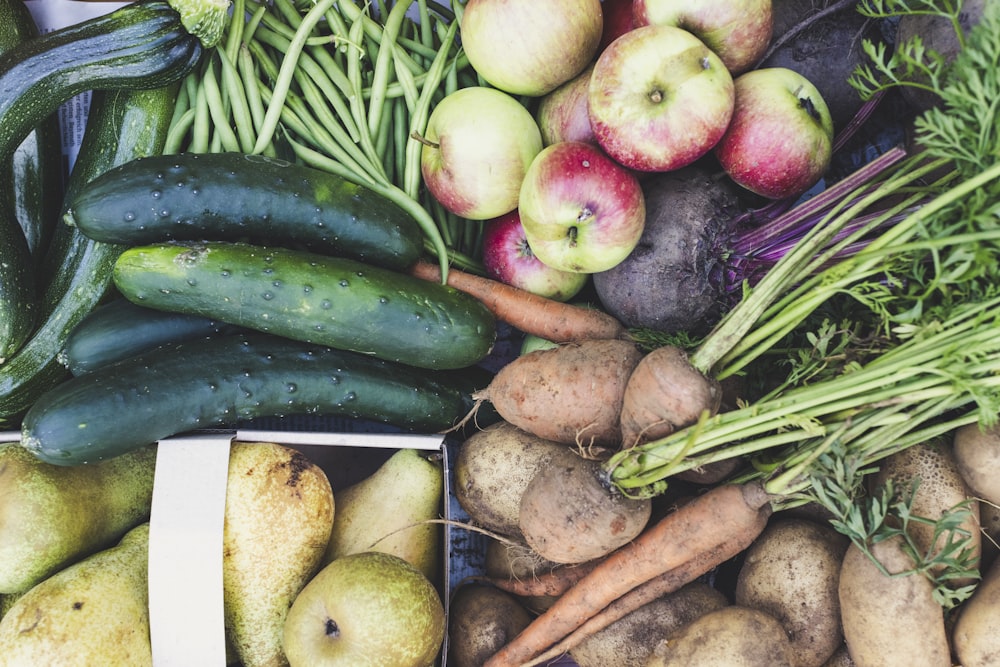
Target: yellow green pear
x: 389, y: 510
x: 369, y: 608
x: 278, y: 517
x: 93, y: 612
x: 51, y: 516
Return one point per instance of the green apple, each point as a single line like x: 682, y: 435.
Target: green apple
x: 477, y: 145
x: 529, y: 47
x: 368, y: 608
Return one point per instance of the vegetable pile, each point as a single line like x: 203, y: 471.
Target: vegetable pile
x: 795, y: 387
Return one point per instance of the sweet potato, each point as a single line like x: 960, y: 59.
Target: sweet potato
x: 571, y: 393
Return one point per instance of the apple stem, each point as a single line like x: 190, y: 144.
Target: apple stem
x: 424, y: 140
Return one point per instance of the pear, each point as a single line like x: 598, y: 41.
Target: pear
x: 51, y: 515
x: 278, y: 516
x: 368, y: 608
x: 93, y: 612
x: 389, y: 511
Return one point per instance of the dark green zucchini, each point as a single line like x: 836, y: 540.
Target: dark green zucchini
x: 121, y: 126
x: 224, y: 381
x: 37, y: 162
x: 316, y: 298
x: 139, y: 46
x: 120, y: 329
x: 238, y: 197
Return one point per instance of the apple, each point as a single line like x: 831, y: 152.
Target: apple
x: 362, y: 607
x: 581, y: 211
x: 780, y: 140
x: 507, y: 257
x: 529, y: 47
x: 477, y: 145
x: 562, y: 115
x: 738, y: 31
x: 618, y: 20
x: 659, y: 99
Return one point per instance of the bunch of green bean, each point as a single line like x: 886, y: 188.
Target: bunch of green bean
x: 339, y: 87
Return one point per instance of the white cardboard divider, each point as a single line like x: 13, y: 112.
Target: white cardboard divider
x: 186, y: 619
x: 186, y: 614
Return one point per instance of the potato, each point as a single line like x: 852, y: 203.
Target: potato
x: 482, y: 619
x: 976, y: 634
x: 977, y: 454
x: 732, y: 636
x: 492, y: 469
x: 989, y: 519
x: 629, y: 641
x: 840, y: 658
x: 941, y: 490
x: 569, y: 514
x: 792, y: 571
x: 890, y: 620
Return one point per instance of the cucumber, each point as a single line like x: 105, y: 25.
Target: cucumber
x: 332, y: 301
x: 120, y: 329
x: 121, y: 125
x: 233, y: 196
x: 225, y: 381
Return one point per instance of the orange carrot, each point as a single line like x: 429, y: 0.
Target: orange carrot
x: 530, y: 313
x: 727, y: 514
x: 668, y: 582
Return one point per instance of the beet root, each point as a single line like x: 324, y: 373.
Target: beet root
x: 666, y: 282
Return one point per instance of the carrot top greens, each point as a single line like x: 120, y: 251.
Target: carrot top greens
x: 922, y: 354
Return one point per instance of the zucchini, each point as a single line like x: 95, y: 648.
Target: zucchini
x: 120, y: 329
x: 233, y: 196
x: 121, y: 126
x: 139, y: 46
x: 37, y: 162
x: 225, y: 381
x: 316, y: 298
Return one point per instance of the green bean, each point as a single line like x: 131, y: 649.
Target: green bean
x: 239, y: 105
x: 421, y: 113
x: 432, y: 235
x: 248, y: 75
x: 217, y: 108
x: 333, y: 92
x: 178, y: 132
x: 273, y: 113
x: 356, y: 100
x: 200, y: 130
x: 385, y: 63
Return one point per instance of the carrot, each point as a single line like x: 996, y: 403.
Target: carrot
x: 529, y: 313
x: 668, y: 582
x: 727, y: 514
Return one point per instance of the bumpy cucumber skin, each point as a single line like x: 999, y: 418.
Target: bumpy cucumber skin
x: 224, y: 381
x: 120, y: 329
x: 233, y: 196
x: 315, y: 298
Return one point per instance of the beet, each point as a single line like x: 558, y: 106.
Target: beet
x: 666, y: 282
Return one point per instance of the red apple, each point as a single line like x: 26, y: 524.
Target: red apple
x: 581, y: 210
x: 780, y: 140
x: 478, y: 143
x: 507, y: 257
x: 529, y: 47
x: 617, y: 21
x: 562, y: 114
x: 659, y: 99
x: 738, y: 31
